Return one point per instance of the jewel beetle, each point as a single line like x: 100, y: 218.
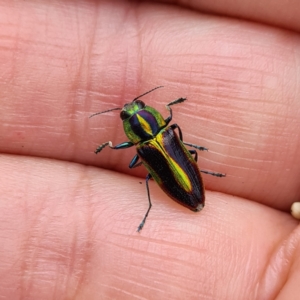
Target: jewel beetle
x: 162, y: 151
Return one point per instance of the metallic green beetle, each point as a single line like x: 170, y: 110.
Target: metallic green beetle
x: 162, y: 151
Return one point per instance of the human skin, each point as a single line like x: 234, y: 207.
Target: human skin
x: 68, y: 217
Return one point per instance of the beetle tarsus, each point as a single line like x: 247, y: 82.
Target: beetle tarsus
x: 213, y: 173
x: 141, y: 225
x: 201, y: 148
x: 177, y: 101
x: 99, y: 148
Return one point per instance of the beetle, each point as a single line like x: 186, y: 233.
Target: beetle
x: 162, y: 151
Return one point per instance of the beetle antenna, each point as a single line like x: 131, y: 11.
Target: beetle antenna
x: 118, y: 108
x: 148, y: 92
x: 102, y: 112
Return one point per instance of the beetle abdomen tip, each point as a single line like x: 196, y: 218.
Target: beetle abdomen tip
x: 199, y: 207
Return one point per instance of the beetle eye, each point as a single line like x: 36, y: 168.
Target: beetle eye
x: 140, y: 104
x: 124, y: 115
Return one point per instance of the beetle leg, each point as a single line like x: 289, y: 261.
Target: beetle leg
x: 133, y: 163
x: 213, y: 173
x: 204, y: 171
x: 119, y: 146
x: 196, y: 146
x: 149, y: 176
x: 169, y: 118
x: 195, y: 153
x: 174, y: 126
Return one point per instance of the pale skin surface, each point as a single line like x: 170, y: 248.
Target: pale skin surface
x: 68, y: 226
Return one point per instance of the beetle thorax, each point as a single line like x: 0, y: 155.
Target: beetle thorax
x: 142, y: 124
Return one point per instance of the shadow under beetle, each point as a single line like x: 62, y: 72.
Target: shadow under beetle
x: 162, y: 151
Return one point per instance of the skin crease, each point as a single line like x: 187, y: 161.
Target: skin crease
x: 68, y: 218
